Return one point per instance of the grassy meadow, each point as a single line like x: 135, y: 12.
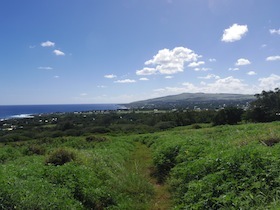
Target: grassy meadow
x: 190, y: 167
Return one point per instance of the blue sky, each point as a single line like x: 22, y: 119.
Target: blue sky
x: 119, y: 51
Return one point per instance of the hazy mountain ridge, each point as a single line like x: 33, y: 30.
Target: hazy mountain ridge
x: 194, y: 100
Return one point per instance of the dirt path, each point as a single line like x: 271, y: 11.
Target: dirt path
x: 143, y: 157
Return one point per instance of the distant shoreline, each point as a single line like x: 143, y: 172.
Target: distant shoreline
x: 26, y: 111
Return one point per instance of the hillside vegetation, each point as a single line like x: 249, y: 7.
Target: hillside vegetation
x: 144, y: 160
x: 205, y: 167
x: 225, y: 167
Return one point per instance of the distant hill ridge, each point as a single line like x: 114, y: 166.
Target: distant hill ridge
x: 192, y: 100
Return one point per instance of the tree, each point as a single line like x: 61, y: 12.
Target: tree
x: 230, y: 115
x: 266, y: 107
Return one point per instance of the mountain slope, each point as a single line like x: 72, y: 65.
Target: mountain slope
x: 194, y: 100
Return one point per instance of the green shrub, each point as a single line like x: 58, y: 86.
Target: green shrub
x: 9, y: 153
x: 164, y: 160
x: 96, y: 138
x: 165, y: 125
x: 196, y: 126
x: 60, y: 157
x: 99, y: 129
x: 35, y: 149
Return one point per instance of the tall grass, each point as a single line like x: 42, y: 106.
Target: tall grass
x: 225, y: 167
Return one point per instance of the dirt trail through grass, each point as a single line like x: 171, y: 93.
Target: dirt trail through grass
x: 142, y: 158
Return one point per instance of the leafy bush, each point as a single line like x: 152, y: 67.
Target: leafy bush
x: 165, y: 160
x: 9, y: 153
x: 165, y: 125
x: 60, y: 156
x: 96, y: 138
x: 196, y: 126
x: 35, y: 149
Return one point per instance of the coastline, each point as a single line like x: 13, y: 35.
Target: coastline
x: 27, y: 111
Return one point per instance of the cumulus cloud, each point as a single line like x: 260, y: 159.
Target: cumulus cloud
x: 196, y: 64
x: 228, y: 85
x: 143, y: 79
x: 210, y: 76
x: 273, y: 58
x: 110, y: 76
x: 168, y: 61
x: 101, y: 86
x: 234, y: 33
x: 58, y: 53
x: 233, y: 69
x: 45, y: 68
x: 242, y: 62
x: 202, y: 69
x: 274, y: 31
x: 48, y: 44
x: 146, y: 71
x: 270, y: 83
x: 251, y: 73
x: 126, y: 81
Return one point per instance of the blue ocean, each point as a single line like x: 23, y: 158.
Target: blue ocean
x: 17, y: 111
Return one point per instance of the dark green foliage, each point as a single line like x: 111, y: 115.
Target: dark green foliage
x: 9, y: 153
x: 165, y: 125
x: 99, y: 129
x: 230, y: 115
x: 266, y: 107
x: 60, y: 157
x: 96, y: 138
x: 35, y: 149
x: 165, y: 160
x: 196, y: 126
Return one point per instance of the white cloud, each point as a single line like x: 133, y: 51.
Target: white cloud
x: 45, y: 68
x: 126, y: 81
x: 263, y: 45
x: 233, y: 69
x: 101, y: 86
x: 83, y: 94
x: 251, y: 73
x: 210, y: 76
x: 273, y: 58
x: 234, y: 33
x: 56, y: 77
x: 168, y: 77
x: 242, y: 62
x: 48, y: 44
x: 146, y: 71
x: 110, y: 76
x: 274, y: 31
x: 143, y: 79
x: 202, y: 69
x: 270, y: 83
x: 196, y: 64
x: 212, y: 60
x: 58, y: 53
x: 228, y: 85
x: 222, y: 85
x: 168, y: 61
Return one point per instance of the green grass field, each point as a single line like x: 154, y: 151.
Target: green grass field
x: 193, y: 167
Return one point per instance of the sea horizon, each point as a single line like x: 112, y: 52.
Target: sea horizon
x: 22, y: 111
